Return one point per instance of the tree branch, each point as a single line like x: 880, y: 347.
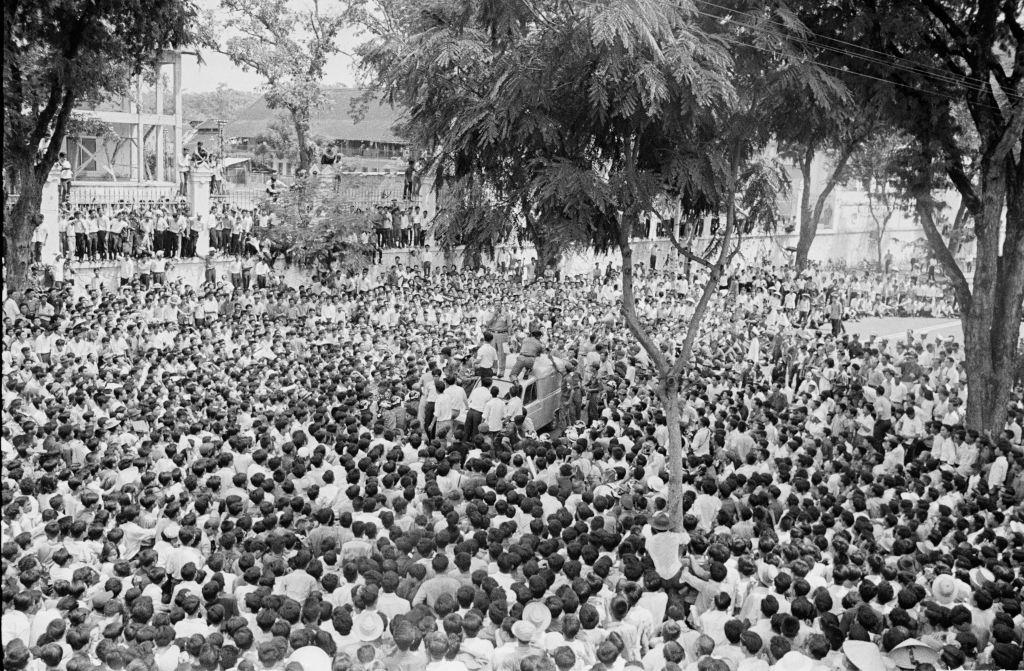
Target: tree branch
x: 940, y: 13
x: 45, y: 116
x: 42, y: 167
x: 724, y: 258
x: 629, y: 304
x: 963, y: 184
x: 925, y: 211
x: 685, y: 251
x: 833, y: 180
x: 1012, y: 134
x: 1010, y: 9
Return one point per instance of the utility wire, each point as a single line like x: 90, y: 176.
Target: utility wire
x: 736, y: 42
x: 972, y: 83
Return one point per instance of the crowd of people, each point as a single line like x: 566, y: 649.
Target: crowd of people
x: 164, y: 228
x: 251, y: 476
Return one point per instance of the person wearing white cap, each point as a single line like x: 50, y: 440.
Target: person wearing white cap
x: 310, y: 657
x: 798, y: 661
x: 509, y: 656
x: 864, y: 656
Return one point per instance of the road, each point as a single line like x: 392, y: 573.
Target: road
x: 896, y: 327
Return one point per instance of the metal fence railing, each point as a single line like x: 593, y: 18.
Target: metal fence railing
x: 86, y: 195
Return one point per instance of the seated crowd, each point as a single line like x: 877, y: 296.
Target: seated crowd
x: 250, y: 476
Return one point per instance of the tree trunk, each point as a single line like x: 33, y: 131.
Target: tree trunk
x: 548, y: 254
x: 547, y: 258
x: 810, y: 218
x: 994, y: 324
x: 301, y: 121
x: 988, y: 386
x: 956, y: 234
x: 668, y: 394
x: 808, y: 227
x: 991, y: 309
x: 19, y: 225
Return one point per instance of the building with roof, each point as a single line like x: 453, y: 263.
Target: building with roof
x: 131, y: 143
x: 361, y: 128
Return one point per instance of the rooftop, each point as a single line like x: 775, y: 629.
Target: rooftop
x: 334, y: 120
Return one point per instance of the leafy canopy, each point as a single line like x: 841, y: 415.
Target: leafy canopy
x: 569, y: 115
x: 286, y: 43
x: 317, y: 223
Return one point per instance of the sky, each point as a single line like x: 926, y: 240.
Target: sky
x: 218, y: 68
x: 196, y: 78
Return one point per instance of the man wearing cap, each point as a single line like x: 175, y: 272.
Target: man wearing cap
x: 509, y: 657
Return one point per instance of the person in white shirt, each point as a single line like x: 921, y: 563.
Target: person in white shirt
x: 66, y: 175
x: 444, y: 411
x: 477, y: 403
x: 486, y: 356
x: 999, y: 469
x: 494, y: 412
x: 909, y: 425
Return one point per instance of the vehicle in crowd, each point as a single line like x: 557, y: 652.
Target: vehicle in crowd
x: 541, y: 392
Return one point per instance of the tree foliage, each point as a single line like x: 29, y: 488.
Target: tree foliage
x: 557, y: 117
x: 58, y: 55
x: 314, y: 223
x: 875, y: 169
x: 221, y: 103
x: 288, y: 46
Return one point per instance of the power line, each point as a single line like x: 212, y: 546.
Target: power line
x: 936, y: 72
x: 736, y: 42
x: 979, y: 85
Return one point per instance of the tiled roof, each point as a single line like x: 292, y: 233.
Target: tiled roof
x: 334, y: 120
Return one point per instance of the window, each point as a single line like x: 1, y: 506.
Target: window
x: 85, y: 154
x: 529, y: 393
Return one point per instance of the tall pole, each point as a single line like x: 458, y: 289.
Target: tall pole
x: 159, y: 176
x: 179, y: 132
x: 220, y: 130
x: 140, y: 138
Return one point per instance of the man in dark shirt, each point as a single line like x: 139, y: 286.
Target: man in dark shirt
x: 528, y: 353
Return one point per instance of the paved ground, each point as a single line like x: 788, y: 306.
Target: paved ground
x: 896, y: 327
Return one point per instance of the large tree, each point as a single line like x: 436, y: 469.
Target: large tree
x: 288, y: 45
x: 958, y: 72
x: 58, y: 55
x: 580, y: 118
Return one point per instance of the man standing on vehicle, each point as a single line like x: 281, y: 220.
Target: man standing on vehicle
x: 498, y: 325
x: 528, y: 353
x: 486, y: 357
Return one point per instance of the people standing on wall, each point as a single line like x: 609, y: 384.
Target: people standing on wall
x: 66, y: 175
x: 410, y: 178
x: 184, y: 168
